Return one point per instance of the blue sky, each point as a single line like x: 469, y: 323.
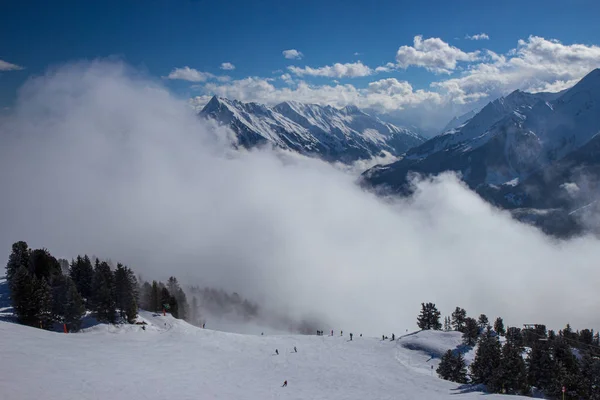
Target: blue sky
x: 157, y: 37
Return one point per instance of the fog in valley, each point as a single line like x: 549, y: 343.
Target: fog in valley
x: 97, y: 158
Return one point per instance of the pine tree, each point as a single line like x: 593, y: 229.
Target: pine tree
x: 18, y: 258
x: 182, y: 304
x: 59, y: 296
x: 514, y: 337
x: 485, y: 368
x: 82, y: 273
x: 483, y: 321
x: 540, y: 366
x: 74, y: 308
x: 499, y: 326
x: 514, y: 370
x: 458, y: 319
x: 126, y: 292
x: 104, y: 293
x: 565, y: 369
x: 146, y: 297
x: 43, y: 265
x: 470, y: 332
x: 21, y: 287
x: 429, y: 317
x: 453, y: 367
x: 589, y: 387
x: 155, y: 298
x: 42, y: 302
x: 444, y: 369
x: 586, y: 336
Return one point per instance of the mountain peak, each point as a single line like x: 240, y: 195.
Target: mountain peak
x: 352, y: 109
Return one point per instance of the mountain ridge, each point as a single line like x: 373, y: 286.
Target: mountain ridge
x: 345, y: 135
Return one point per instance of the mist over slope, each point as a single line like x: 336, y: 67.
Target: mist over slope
x: 97, y: 159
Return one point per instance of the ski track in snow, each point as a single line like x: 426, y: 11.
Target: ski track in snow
x: 180, y: 361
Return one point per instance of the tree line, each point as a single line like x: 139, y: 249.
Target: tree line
x: 519, y: 361
x: 45, y: 290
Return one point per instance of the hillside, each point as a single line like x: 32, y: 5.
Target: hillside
x: 518, y: 151
x: 172, y: 359
x: 345, y: 135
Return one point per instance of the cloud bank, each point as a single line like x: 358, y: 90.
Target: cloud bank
x: 337, y: 70
x: 432, y: 54
x: 95, y: 158
x: 535, y: 64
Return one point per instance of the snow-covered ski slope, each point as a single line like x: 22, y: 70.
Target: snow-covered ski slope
x: 174, y: 360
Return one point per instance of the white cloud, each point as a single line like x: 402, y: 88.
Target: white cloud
x: 433, y: 54
x: 337, y: 70
x: 227, y: 66
x: 160, y: 189
x: 6, y: 66
x: 536, y: 64
x: 190, y: 74
x: 384, y: 95
x: 292, y: 54
x: 386, y: 68
x: 357, y: 54
x: 287, y: 78
x: 479, y: 36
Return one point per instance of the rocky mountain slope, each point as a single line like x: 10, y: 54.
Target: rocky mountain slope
x: 522, y: 150
x: 344, y: 135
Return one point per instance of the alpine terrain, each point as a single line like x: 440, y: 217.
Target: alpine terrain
x: 530, y: 153
x: 344, y: 135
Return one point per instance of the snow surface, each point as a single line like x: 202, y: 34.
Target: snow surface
x: 174, y: 360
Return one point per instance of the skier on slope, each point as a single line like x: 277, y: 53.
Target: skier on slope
x: 295, y: 350
x: 284, y: 384
x: 351, y: 336
x: 276, y: 351
x: 393, y: 337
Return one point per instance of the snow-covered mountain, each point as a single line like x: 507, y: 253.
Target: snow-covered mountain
x: 459, y: 120
x: 514, y: 143
x: 345, y: 135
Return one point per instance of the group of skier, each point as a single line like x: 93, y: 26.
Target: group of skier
x: 320, y: 333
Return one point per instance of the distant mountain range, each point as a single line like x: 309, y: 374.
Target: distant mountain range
x: 536, y: 154
x: 345, y: 135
